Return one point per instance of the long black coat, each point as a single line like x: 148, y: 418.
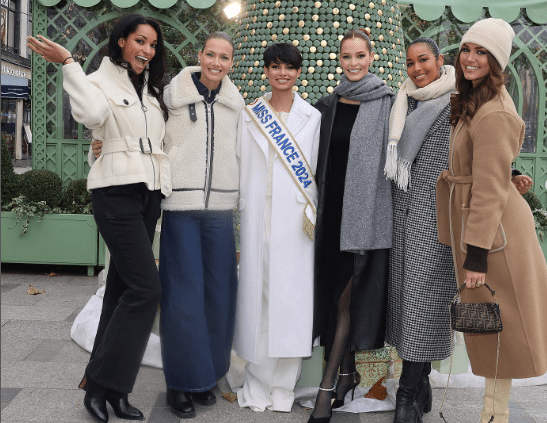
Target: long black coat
x: 367, y: 305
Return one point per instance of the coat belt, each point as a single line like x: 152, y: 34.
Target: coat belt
x: 445, y: 174
x: 145, y: 146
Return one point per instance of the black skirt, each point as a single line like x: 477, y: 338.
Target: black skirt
x: 368, y: 295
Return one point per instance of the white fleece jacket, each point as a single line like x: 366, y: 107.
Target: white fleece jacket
x: 204, y: 171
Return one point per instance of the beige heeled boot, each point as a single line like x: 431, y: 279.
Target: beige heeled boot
x: 500, y: 401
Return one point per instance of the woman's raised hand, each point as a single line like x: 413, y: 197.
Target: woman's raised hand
x: 49, y: 50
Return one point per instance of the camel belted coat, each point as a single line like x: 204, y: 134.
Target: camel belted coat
x: 478, y: 205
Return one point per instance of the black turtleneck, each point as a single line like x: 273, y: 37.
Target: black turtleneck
x: 208, y: 95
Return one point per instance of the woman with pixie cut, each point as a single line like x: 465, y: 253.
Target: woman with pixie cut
x: 277, y: 146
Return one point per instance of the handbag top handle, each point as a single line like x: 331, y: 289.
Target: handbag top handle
x: 461, y: 288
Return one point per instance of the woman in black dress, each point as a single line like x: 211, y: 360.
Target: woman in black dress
x: 354, y: 221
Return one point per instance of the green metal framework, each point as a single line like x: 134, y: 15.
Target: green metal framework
x: 60, y: 143
x: 527, y: 82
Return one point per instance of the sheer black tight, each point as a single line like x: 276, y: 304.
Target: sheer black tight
x: 340, y: 357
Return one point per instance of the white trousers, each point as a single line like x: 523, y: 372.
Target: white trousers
x: 270, y: 382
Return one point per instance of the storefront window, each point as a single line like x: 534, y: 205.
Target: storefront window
x: 10, y: 26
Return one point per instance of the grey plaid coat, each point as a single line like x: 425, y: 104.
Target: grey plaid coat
x: 421, y: 273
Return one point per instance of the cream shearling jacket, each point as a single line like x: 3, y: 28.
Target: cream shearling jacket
x: 202, y: 148
x: 131, y: 131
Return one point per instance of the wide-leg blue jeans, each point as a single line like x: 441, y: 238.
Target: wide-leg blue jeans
x: 126, y: 216
x: 199, y: 284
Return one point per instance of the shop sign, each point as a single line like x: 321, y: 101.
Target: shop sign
x: 9, y: 70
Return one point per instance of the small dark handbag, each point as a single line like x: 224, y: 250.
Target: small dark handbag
x: 475, y: 317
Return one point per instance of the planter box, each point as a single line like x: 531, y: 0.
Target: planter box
x: 71, y: 239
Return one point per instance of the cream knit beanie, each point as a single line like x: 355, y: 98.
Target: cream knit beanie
x: 495, y: 35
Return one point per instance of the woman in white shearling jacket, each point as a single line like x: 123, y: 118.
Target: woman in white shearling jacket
x: 205, y: 173
x: 121, y: 102
x: 197, y: 254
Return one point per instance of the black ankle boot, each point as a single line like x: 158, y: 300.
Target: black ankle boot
x: 424, y: 397
x: 406, y: 409
x: 180, y: 404
x: 203, y: 398
x: 120, y: 404
x: 95, y: 400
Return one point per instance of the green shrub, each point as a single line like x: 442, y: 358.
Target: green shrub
x: 76, y: 198
x: 42, y: 185
x: 10, y: 180
x: 532, y: 200
x: 539, y: 213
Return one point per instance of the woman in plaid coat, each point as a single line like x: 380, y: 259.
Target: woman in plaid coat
x: 421, y: 274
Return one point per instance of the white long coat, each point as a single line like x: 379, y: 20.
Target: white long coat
x: 291, y: 251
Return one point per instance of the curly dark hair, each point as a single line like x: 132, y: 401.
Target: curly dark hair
x: 468, y: 99
x: 156, y: 69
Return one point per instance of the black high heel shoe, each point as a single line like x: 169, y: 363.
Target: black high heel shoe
x: 322, y: 419
x: 339, y: 402
x: 122, y: 408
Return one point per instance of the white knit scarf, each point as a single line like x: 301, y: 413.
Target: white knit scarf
x: 407, y: 135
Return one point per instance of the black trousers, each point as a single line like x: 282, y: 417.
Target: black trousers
x: 126, y: 216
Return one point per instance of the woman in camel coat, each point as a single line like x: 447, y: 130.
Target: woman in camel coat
x: 486, y: 220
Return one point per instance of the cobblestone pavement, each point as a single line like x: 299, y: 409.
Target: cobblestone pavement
x: 42, y: 366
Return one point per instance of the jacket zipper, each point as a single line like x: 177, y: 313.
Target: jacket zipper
x: 210, y: 118
x: 144, y: 110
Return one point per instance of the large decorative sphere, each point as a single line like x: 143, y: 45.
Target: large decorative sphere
x: 316, y: 28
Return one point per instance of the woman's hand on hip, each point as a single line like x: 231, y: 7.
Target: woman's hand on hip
x: 522, y: 182
x: 49, y: 50
x: 474, y: 279
x: 96, y: 146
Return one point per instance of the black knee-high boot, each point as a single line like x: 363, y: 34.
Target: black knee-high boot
x: 424, y: 397
x: 406, y: 409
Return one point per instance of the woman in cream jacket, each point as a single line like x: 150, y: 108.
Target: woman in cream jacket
x: 198, y: 257
x: 122, y: 103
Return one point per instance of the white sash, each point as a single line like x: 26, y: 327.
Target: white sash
x: 289, y: 152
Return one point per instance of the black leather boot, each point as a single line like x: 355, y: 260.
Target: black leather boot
x: 95, y: 400
x: 406, y: 409
x: 424, y: 397
x: 120, y: 403
x: 180, y: 404
x: 203, y: 398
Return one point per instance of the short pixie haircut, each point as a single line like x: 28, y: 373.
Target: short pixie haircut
x: 282, y: 53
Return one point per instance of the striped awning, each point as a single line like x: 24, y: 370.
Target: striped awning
x: 160, y: 4
x: 471, y: 10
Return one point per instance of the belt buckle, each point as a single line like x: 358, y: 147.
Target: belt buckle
x: 145, y: 149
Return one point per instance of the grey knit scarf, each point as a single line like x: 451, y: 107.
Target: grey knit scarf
x: 367, y: 211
